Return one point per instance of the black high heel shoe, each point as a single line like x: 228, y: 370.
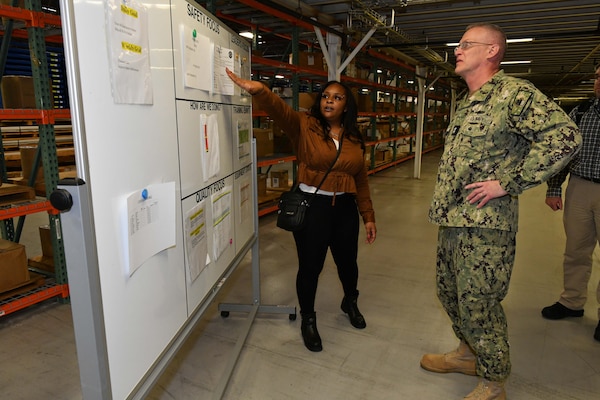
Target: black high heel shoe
x: 350, y: 307
x: 310, y: 334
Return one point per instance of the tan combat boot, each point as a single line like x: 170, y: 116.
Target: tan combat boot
x: 461, y: 360
x: 488, y: 390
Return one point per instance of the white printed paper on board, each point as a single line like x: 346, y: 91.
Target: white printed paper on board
x: 197, y: 60
x: 246, y: 205
x: 224, y: 58
x: 129, y: 55
x: 209, y: 152
x: 150, y: 223
x: 222, y: 221
x: 196, y: 242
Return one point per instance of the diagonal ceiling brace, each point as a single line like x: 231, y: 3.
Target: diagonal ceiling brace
x: 326, y: 52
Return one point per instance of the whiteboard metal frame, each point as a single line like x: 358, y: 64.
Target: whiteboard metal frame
x: 95, y: 374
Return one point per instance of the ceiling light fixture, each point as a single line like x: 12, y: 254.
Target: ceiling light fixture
x: 519, y: 40
x: 515, y: 62
x: 522, y: 40
x: 247, y: 34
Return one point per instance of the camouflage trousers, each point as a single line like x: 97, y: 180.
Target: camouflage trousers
x: 473, y: 274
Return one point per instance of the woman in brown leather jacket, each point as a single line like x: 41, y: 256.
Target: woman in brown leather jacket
x: 333, y: 219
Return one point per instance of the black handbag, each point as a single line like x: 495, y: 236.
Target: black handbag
x: 294, y: 204
x: 292, y: 209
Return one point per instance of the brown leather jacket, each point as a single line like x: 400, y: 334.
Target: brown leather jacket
x: 315, y: 155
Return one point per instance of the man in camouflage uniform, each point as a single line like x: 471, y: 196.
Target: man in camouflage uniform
x: 505, y: 137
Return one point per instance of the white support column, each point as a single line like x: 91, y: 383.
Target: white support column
x: 331, y: 52
x: 334, y: 47
x: 421, y: 74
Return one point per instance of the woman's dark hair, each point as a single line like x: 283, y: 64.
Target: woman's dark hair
x: 349, y: 116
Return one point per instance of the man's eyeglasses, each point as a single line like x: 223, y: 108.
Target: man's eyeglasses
x: 596, y: 77
x: 467, y: 45
x: 336, y: 97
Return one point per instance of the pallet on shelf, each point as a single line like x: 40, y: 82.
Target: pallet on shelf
x: 34, y: 282
x: 11, y: 194
x: 269, y: 197
x: 40, y: 185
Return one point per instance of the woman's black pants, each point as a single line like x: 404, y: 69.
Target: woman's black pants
x: 332, y: 223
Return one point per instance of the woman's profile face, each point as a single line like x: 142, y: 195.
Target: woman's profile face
x: 333, y: 102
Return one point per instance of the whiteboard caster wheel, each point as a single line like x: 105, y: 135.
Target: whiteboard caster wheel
x: 224, y: 314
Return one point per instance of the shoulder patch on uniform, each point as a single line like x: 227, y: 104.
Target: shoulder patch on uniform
x: 521, y: 102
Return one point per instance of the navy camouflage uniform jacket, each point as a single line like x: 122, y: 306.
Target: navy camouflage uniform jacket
x: 508, y: 131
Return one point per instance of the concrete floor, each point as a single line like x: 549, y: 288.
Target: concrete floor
x: 552, y: 360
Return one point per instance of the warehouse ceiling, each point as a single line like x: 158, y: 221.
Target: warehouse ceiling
x: 560, y: 58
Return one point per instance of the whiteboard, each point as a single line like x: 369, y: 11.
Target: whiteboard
x: 123, y: 148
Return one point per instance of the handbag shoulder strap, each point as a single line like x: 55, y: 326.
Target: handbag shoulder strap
x: 295, y: 185
x: 331, y: 166
x: 326, y: 173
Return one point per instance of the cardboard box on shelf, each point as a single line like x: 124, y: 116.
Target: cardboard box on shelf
x: 264, y: 142
x: 404, y: 128
x: 309, y: 59
x: 403, y: 148
x: 306, y: 100
x: 17, y: 91
x: 352, y: 70
x: 13, y: 265
x: 46, y: 241
x: 45, y: 261
x: 383, y: 153
x: 406, y: 106
x: 368, y: 151
x: 403, y: 145
x: 364, y: 102
x: 279, y: 179
x: 385, y: 107
x: 261, y: 183
x: 364, y: 126
x: 383, y: 129
x: 363, y: 73
x: 27, y: 154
